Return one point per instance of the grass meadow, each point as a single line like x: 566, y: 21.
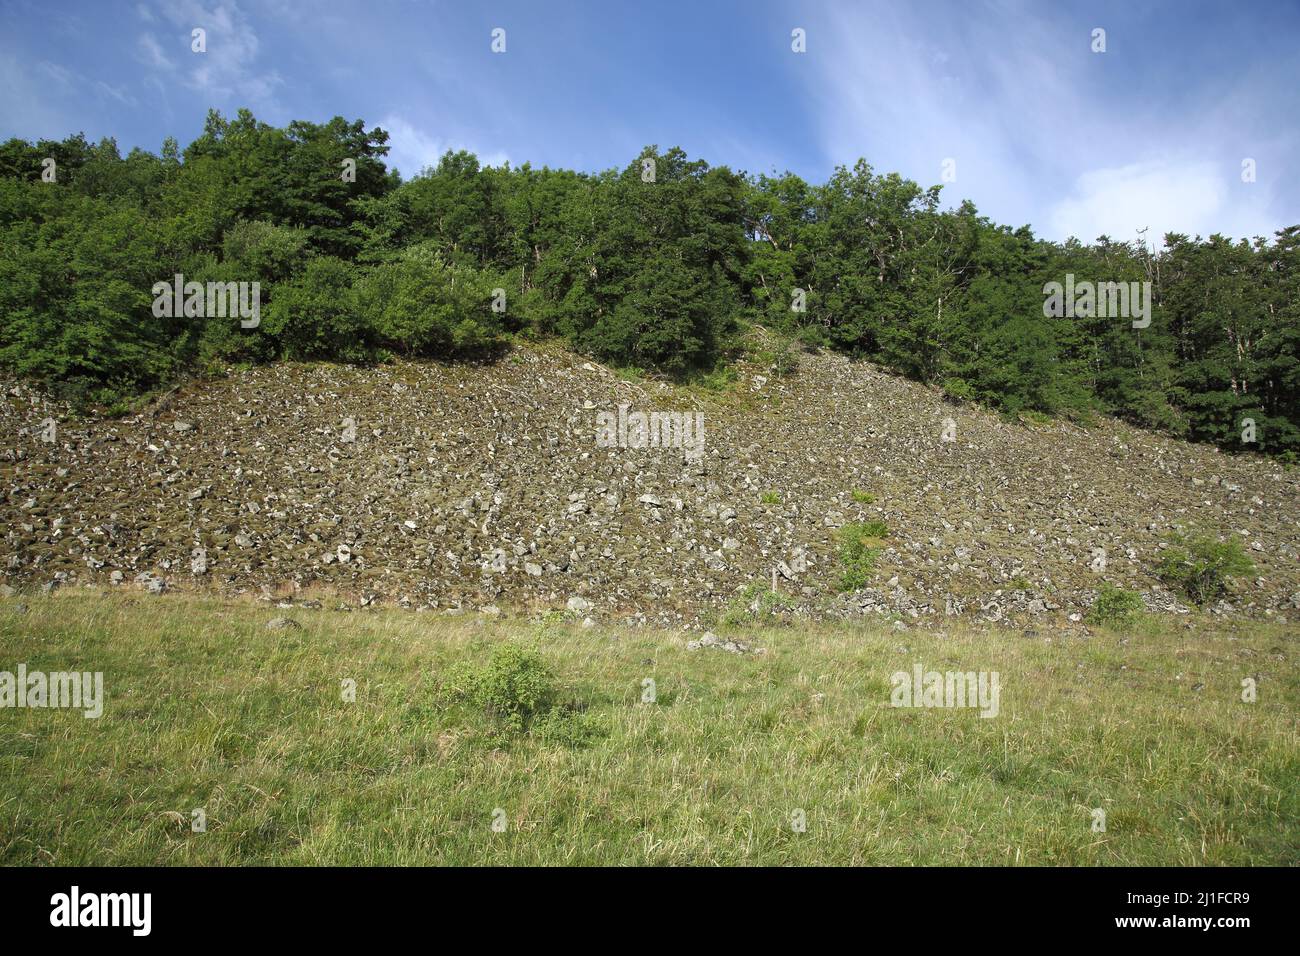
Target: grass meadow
x: 206, y: 708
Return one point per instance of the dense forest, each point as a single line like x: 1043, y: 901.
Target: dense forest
x: 662, y: 266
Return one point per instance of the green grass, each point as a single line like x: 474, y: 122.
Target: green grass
x: 207, y: 708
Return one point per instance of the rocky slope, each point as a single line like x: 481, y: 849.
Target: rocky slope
x: 461, y: 487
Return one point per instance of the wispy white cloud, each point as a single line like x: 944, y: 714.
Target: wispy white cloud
x: 228, y: 68
x: 151, y: 54
x: 1015, y: 96
x: 411, y: 149
x: 118, y: 93
x: 26, y: 107
x: 1167, y: 196
x: 69, y: 84
x: 59, y: 74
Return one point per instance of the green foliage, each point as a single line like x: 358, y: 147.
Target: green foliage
x: 754, y: 603
x: 781, y: 354
x: 515, y: 685
x: 568, y: 727
x: 316, y: 316
x: 770, y: 498
x: 1115, y: 607
x: 517, y: 689
x: 1203, y: 567
x: 75, y: 280
x: 862, y: 497
x: 959, y: 389
x: 643, y: 272
x: 718, y: 379
x: 420, y: 305
x: 655, y: 273
x: 859, y: 546
x: 264, y: 252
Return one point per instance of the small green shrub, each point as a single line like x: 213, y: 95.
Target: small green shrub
x: 551, y: 619
x: 781, y: 354
x: 756, y: 601
x: 860, y: 544
x: 719, y: 379
x: 515, y: 685
x: 518, y: 689
x: 1115, y: 607
x: 568, y: 727
x: 959, y: 390
x: 862, y: 497
x: 771, y: 498
x: 1203, y: 567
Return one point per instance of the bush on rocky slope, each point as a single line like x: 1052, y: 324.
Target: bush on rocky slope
x: 1114, y: 607
x: 1202, y: 567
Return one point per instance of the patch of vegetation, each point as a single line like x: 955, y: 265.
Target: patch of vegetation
x: 960, y: 390
x: 1115, y: 607
x: 551, y: 619
x: 780, y: 352
x: 770, y: 498
x: 862, y: 497
x: 1202, y: 567
x: 1034, y: 417
x: 860, y: 543
x: 517, y: 688
x: 757, y: 601
x: 719, y: 379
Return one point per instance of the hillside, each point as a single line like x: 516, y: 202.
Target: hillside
x: 471, y: 486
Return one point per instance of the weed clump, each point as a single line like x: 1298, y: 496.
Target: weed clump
x: 756, y: 601
x: 1115, y: 607
x: 517, y: 689
x: 860, y: 543
x: 1203, y: 567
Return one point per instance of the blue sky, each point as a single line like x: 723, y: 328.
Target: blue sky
x: 1043, y: 131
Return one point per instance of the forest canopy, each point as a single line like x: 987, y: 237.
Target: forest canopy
x: 662, y: 266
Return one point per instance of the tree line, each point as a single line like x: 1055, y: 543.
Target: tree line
x: 662, y: 266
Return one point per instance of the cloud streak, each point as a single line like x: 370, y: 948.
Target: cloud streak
x: 1031, y: 116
